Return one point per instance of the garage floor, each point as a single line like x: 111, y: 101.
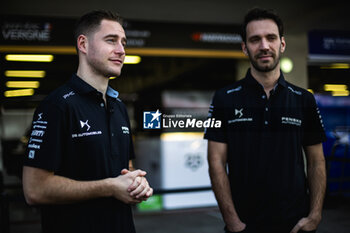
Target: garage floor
x: 336, y: 219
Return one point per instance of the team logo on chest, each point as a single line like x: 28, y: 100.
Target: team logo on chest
x: 238, y: 116
x: 239, y: 112
x: 291, y: 121
x: 83, y: 124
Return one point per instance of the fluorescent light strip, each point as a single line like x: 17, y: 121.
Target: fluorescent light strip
x: 340, y: 93
x: 335, y: 87
x: 163, y: 52
x: 337, y: 66
x: 22, y: 84
x: 17, y: 93
x: 181, y: 136
x: 130, y: 59
x: 29, y: 57
x: 25, y: 73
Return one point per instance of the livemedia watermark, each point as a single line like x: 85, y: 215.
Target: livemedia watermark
x: 157, y: 120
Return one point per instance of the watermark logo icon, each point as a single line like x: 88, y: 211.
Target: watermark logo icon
x: 151, y: 120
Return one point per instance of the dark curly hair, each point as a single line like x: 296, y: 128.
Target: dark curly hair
x: 260, y: 14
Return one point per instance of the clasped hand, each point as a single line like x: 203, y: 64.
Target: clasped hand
x: 139, y: 189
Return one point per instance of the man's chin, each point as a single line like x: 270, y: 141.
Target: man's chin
x: 267, y: 68
x: 113, y: 74
x: 264, y: 68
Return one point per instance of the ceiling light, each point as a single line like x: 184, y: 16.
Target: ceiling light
x: 132, y: 59
x: 337, y: 66
x: 286, y: 65
x: 29, y: 57
x: 340, y: 93
x: 335, y: 87
x: 17, y: 93
x: 25, y: 73
x: 181, y: 136
x: 22, y: 84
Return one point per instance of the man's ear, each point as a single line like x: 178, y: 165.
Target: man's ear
x: 82, y: 42
x: 283, y: 44
x: 244, y: 48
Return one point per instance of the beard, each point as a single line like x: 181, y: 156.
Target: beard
x: 264, y: 67
x: 101, y: 68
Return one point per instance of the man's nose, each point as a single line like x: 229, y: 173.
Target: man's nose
x: 264, y: 44
x: 119, y: 49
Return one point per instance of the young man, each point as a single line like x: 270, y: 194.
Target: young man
x: 267, y: 123
x: 80, y: 144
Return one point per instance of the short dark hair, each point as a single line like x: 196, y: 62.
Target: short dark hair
x: 90, y: 21
x: 260, y: 14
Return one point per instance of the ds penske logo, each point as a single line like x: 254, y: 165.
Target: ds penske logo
x: 83, y: 124
x: 238, y: 117
x: 239, y: 112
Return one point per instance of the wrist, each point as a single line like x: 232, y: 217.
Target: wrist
x: 233, y: 222
x: 236, y: 226
x: 107, y: 188
x: 315, y: 216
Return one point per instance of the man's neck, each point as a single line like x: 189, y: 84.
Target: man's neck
x: 100, y: 83
x: 267, y: 79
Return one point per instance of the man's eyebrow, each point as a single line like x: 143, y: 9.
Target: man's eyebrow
x: 254, y: 36
x: 259, y: 36
x: 115, y: 36
x: 110, y: 35
x: 272, y: 34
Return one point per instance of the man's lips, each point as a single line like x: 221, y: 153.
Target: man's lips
x: 264, y: 56
x: 116, y: 60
